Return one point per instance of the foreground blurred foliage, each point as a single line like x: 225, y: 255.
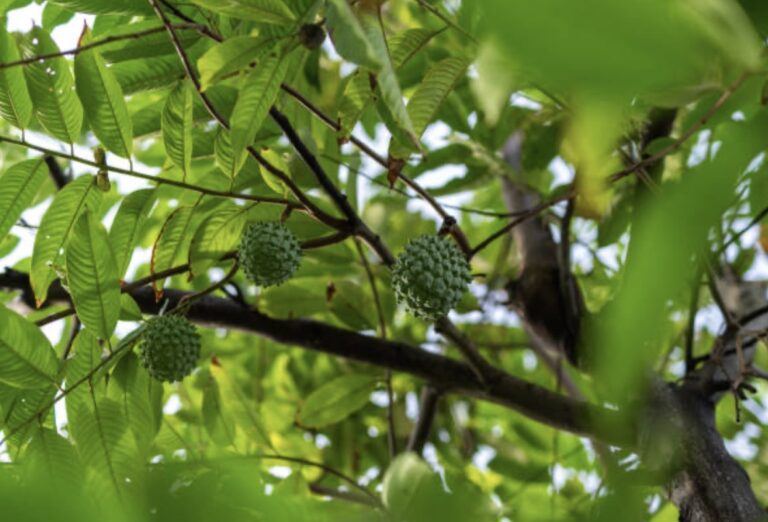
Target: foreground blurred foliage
x: 155, y: 183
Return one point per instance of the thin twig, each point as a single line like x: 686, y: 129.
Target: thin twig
x: 397, y: 190
x: 528, y: 214
x: 693, y: 129
x: 97, y: 43
x: 148, y: 177
x: 455, y: 230
x: 453, y: 25
x: 391, y: 435
x: 328, y: 469
x: 311, y: 207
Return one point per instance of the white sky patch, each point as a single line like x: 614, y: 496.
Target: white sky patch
x: 483, y: 456
x: 281, y: 472
x: 60, y: 412
x: 172, y: 405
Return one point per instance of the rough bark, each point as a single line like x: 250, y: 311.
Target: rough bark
x: 677, y: 435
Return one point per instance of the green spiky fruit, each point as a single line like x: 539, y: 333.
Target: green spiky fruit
x: 430, y: 277
x: 269, y: 253
x: 170, y: 347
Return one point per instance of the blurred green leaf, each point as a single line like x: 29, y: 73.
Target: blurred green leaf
x: 337, y: 400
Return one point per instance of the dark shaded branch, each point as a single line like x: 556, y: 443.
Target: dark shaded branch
x: 427, y: 412
x: 444, y: 373
x: 59, y: 177
x: 712, y: 486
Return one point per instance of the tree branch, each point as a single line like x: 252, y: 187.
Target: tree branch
x: 430, y: 397
x: 444, y: 373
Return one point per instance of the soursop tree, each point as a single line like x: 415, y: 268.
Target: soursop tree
x: 383, y: 260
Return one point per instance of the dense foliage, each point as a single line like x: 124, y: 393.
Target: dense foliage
x: 259, y: 165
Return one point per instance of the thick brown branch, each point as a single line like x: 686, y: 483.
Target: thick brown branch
x: 444, y: 373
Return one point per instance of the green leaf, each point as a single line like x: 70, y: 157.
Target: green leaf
x: 219, y: 426
x: 405, y: 477
x: 148, y: 73
x: 103, y: 100
x: 54, y: 230
x: 432, y: 91
x: 219, y: 234
x: 359, y: 90
x: 87, y: 356
x: 52, y: 89
x: 263, y: 11
x: 337, y: 400
x: 51, y: 457
x: 177, y: 126
x: 348, y: 35
x: 92, y: 276
x: 242, y: 407
x: 405, y: 45
x: 15, y: 103
x: 128, y: 225
x: 107, y: 446
x: 295, y: 298
x: 27, y: 359
x: 124, y: 7
x: 412, y: 492
x: 24, y: 410
x: 257, y: 95
x: 224, y: 156
x: 272, y: 181
x: 227, y: 58
x: 351, y: 305
x: 129, y: 309
x: 580, y: 52
x: 132, y: 389
x: 54, y: 16
x: 18, y: 187
x: 386, y: 78
x: 168, y: 247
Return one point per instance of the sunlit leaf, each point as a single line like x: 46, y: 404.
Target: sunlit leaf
x: 103, y: 100
x: 168, y: 247
x: 348, y: 36
x: 127, y: 226
x: 259, y: 92
x: 92, y: 276
x: 228, y: 58
x: 52, y: 88
x: 18, y: 186
x: 27, y: 359
x: 57, y: 223
x: 177, y: 126
x: 264, y: 11
x: 15, y: 103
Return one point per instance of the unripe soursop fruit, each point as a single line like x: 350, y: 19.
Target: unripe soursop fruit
x: 170, y: 347
x: 430, y: 277
x: 269, y: 253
